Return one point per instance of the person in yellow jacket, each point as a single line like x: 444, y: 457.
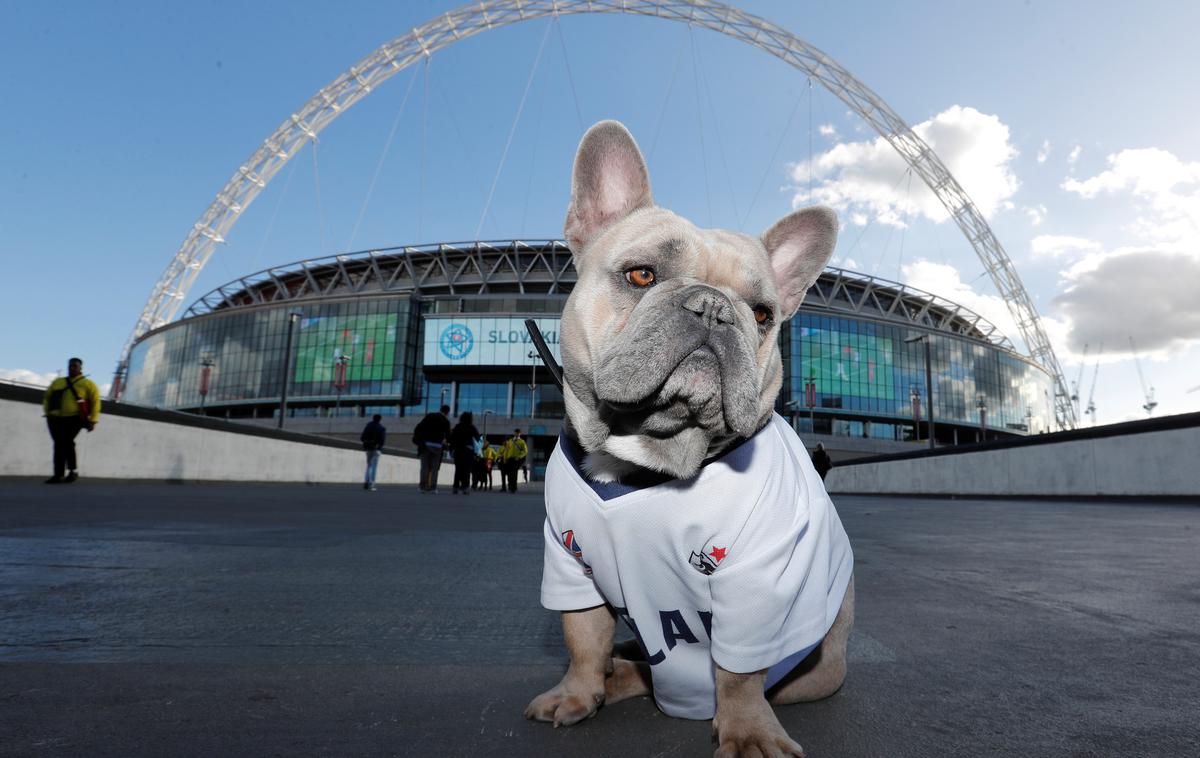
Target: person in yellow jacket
x: 490, y: 457
x: 71, y: 403
x: 512, y: 455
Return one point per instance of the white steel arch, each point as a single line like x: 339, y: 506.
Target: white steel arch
x: 363, y: 77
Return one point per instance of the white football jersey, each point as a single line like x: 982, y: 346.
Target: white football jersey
x: 744, y: 564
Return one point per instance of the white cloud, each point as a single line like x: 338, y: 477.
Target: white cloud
x: 945, y: 281
x: 1164, y: 189
x: 1148, y: 172
x: 1060, y: 245
x: 40, y: 378
x: 25, y: 376
x: 828, y: 130
x: 1044, y: 152
x: 1145, y: 290
x: 1147, y: 294
x: 1073, y: 156
x: 869, y: 176
x: 1036, y: 214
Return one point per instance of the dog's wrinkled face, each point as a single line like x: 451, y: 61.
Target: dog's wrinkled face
x: 669, y: 339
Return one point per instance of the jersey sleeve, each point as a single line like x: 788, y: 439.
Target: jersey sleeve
x: 770, y: 596
x: 567, y: 583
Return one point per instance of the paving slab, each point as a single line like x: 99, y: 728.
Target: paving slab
x: 235, y: 619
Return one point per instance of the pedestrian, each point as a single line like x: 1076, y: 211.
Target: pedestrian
x: 373, y: 436
x: 480, y: 467
x: 462, y: 447
x: 71, y: 403
x: 491, y: 460
x: 821, y: 461
x: 525, y: 470
x: 430, y: 438
x: 512, y: 456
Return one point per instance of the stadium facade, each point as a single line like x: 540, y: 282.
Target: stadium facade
x: 399, y: 331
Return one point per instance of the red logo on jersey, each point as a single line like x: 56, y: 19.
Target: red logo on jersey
x: 572, y: 544
x: 706, y: 563
x: 568, y: 539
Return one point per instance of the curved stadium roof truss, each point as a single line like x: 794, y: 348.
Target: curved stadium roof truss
x: 543, y: 267
x: 333, y: 100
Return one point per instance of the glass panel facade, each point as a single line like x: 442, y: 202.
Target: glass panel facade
x: 547, y: 399
x: 246, y: 351
x: 863, y: 373
x: 480, y: 397
x: 864, y: 368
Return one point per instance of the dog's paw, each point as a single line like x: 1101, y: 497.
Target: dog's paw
x: 769, y: 746
x: 565, y: 704
x: 753, y: 734
x: 627, y: 679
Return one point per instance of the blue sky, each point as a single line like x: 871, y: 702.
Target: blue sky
x: 1071, y: 124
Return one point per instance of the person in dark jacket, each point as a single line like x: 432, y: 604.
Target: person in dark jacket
x: 430, y: 438
x: 373, y: 436
x: 821, y: 461
x: 462, y: 447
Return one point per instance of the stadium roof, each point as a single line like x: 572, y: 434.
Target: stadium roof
x: 544, y: 267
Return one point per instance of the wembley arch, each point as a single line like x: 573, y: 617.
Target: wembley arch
x: 364, y: 76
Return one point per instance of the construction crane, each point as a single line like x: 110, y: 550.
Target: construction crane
x: 1075, y: 384
x: 1148, y: 393
x: 1091, y: 406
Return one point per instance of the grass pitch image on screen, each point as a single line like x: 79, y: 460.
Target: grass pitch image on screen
x: 369, y: 341
x: 843, y: 364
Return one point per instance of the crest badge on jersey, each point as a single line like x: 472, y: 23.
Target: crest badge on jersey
x: 568, y: 539
x: 572, y: 544
x: 706, y: 563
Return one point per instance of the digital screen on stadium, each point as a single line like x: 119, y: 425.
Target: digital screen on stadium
x: 847, y: 364
x: 369, y: 341
x: 456, y: 341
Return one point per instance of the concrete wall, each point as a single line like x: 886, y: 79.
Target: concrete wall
x: 169, y: 446
x: 1139, y: 460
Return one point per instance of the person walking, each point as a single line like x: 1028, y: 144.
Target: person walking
x: 430, y: 438
x: 821, y: 461
x: 512, y: 456
x: 71, y: 403
x: 462, y: 447
x: 480, y: 467
x: 491, y: 460
x: 373, y: 436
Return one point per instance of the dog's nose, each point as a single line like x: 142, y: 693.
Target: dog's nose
x: 708, y: 305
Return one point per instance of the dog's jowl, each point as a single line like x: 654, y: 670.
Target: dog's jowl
x: 676, y: 499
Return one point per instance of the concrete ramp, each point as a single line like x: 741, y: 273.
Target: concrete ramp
x: 132, y: 442
x: 1156, y: 458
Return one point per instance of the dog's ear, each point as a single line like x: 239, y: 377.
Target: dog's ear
x: 799, y: 245
x: 609, y: 182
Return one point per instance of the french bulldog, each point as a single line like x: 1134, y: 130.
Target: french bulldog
x: 676, y: 498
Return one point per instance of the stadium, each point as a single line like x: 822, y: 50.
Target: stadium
x: 870, y: 365
x: 401, y: 331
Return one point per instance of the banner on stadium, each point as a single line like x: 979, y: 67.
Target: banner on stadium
x: 484, y: 341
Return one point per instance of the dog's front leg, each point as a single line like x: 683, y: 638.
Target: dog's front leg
x: 745, y: 724
x: 589, y: 637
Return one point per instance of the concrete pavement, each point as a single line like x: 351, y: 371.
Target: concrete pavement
x: 143, y: 619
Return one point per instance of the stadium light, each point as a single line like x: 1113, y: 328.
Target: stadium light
x: 924, y: 339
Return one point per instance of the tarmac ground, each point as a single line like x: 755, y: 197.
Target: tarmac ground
x: 234, y: 619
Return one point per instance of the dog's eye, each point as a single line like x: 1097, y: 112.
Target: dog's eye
x: 762, y: 314
x: 640, y: 277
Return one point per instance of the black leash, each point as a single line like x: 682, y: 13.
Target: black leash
x: 544, y: 351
